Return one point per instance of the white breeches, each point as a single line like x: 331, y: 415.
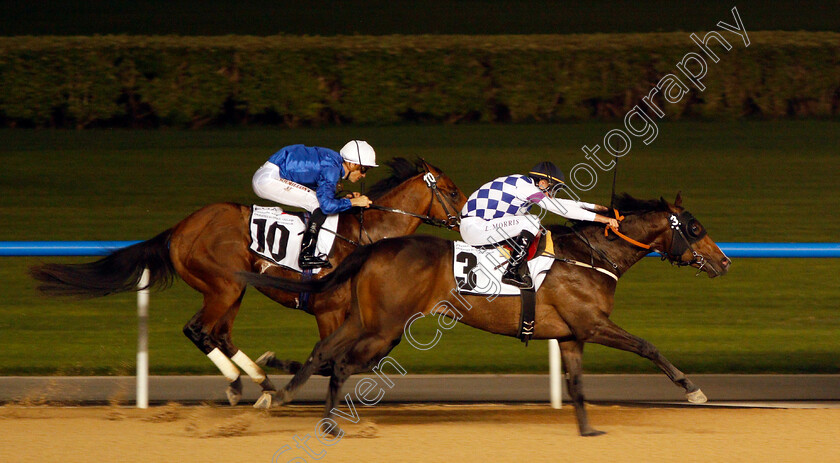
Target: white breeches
x: 478, y: 232
x: 269, y: 185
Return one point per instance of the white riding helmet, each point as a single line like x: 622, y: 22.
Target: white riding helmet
x: 359, y: 152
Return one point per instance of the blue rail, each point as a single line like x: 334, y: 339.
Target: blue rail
x: 98, y: 248
x: 61, y: 248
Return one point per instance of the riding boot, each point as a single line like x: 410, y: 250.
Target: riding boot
x: 516, y: 273
x: 307, y: 258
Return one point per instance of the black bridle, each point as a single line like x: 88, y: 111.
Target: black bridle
x: 684, y: 226
x: 688, y: 229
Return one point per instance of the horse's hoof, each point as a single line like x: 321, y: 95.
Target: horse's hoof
x: 234, y: 392
x: 265, y: 359
x: 233, y: 396
x: 592, y: 433
x: 696, y: 397
x: 264, y: 402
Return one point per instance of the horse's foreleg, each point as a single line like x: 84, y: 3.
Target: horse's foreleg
x: 572, y: 354
x: 363, y: 355
x: 609, y: 334
x: 337, y: 380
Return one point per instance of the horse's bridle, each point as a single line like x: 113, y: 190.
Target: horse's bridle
x: 452, y: 217
x: 681, y: 225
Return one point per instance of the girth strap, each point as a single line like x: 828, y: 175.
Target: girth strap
x: 527, y: 314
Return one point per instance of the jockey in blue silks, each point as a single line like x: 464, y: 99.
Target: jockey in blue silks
x: 307, y: 177
x: 499, y: 212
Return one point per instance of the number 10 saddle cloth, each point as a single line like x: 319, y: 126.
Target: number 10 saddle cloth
x: 276, y: 236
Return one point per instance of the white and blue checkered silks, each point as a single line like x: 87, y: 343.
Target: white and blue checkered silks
x: 512, y: 196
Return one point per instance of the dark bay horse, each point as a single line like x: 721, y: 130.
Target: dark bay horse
x: 573, y: 304
x: 208, y: 248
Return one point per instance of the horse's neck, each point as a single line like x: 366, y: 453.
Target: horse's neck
x: 407, y: 196
x: 646, y: 228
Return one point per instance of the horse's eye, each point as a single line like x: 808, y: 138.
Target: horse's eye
x: 454, y: 194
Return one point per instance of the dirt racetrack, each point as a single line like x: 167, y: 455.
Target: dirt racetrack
x: 417, y: 433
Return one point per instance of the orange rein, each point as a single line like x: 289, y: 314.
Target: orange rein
x: 620, y: 217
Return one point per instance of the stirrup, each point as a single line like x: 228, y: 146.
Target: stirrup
x: 310, y: 261
x: 515, y: 279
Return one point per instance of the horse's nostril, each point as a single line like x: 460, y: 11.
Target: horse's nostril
x: 726, y: 262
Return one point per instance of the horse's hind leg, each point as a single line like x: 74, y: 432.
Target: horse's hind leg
x: 209, y: 330
x: 222, y: 334
x: 269, y: 359
x: 198, y: 332
x: 322, y: 356
x: 572, y: 354
x: 609, y: 334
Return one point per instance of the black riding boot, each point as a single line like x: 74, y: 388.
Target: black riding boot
x: 307, y: 258
x: 516, y: 273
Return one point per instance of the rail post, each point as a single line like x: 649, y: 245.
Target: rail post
x: 554, y: 373
x: 143, y: 340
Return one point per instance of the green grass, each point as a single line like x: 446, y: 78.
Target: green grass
x: 746, y: 181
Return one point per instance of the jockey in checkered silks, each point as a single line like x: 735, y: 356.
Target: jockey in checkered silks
x: 499, y: 212
x: 307, y: 177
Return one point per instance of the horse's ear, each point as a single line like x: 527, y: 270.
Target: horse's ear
x: 678, y: 201
x: 428, y: 167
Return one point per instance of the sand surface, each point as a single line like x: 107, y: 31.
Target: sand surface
x: 417, y: 433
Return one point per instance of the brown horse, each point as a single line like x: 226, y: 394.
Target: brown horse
x: 208, y: 248
x: 573, y: 304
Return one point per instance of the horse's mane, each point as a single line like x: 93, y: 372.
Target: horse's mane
x: 625, y: 204
x: 401, y: 170
x: 630, y: 205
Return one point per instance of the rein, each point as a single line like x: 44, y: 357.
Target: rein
x: 673, y: 254
x: 426, y: 219
x: 620, y: 217
x: 452, y: 221
x: 343, y: 237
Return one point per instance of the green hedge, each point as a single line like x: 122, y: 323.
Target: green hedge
x: 193, y: 81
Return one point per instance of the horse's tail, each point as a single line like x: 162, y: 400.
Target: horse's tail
x: 346, y: 270
x: 117, y: 272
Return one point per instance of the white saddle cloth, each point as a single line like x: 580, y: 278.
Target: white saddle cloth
x: 276, y: 236
x: 479, y: 271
